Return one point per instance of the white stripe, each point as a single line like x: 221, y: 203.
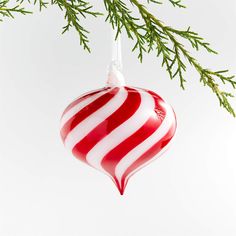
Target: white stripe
x: 139, y: 150
x: 75, y: 109
x: 117, y: 136
x: 87, y: 125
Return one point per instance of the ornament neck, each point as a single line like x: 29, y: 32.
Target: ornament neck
x: 115, y: 77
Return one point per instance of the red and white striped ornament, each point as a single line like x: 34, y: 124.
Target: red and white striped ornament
x: 118, y: 129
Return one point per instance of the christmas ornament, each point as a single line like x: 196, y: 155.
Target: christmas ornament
x: 118, y: 129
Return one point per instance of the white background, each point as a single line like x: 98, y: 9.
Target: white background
x: 44, y: 191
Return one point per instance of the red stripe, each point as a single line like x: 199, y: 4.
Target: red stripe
x: 80, y: 99
x: 154, y: 95
x: 87, y: 111
x: 148, y: 155
x: 123, y: 113
x: 159, y: 109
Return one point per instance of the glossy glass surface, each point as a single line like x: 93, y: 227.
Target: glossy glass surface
x: 118, y: 130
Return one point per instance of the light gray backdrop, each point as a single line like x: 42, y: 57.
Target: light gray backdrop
x: 44, y: 191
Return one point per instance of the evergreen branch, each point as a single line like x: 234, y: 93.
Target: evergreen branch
x: 149, y: 34
x: 6, y: 11
x: 207, y: 77
x: 73, y: 10
x: 153, y: 35
x: 193, y: 37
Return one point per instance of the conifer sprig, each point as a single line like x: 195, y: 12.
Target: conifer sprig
x: 10, y: 11
x: 74, y: 9
x: 149, y: 34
